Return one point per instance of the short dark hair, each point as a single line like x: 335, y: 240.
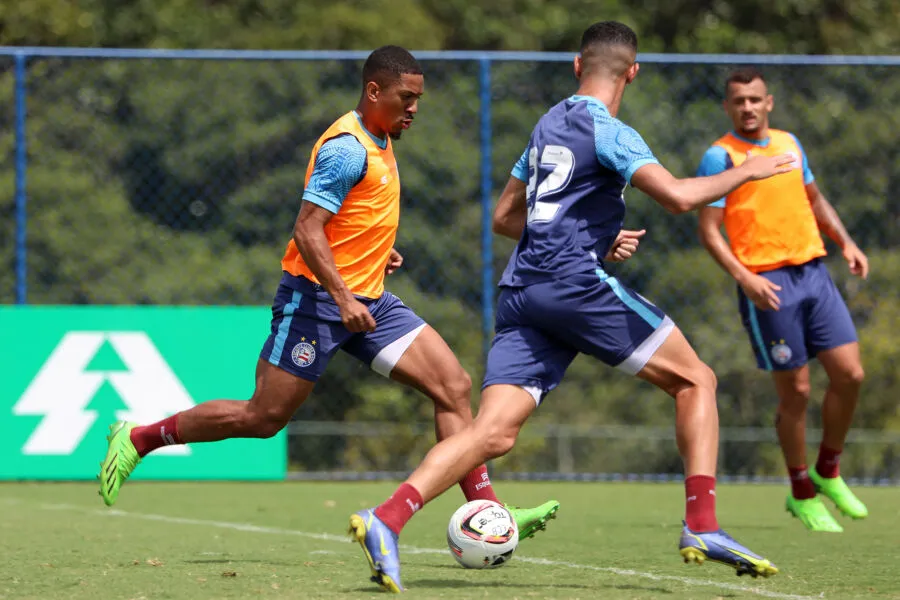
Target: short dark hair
x: 608, y: 46
x: 609, y: 33
x: 386, y: 64
x: 743, y: 75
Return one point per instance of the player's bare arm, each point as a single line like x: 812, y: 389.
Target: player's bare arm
x: 682, y: 195
x: 511, y: 211
x: 761, y: 291
x: 309, y: 235
x: 830, y: 223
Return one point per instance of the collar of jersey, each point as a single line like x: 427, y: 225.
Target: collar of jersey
x: 760, y: 143
x: 381, y: 143
x: 590, y: 99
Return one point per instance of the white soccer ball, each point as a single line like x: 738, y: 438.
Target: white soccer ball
x: 482, y: 535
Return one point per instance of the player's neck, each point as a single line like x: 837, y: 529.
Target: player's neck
x: 608, y: 92
x: 759, y: 135
x: 367, y: 122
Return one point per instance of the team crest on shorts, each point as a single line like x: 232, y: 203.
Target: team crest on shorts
x: 304, y: 353
x: 781, y: 353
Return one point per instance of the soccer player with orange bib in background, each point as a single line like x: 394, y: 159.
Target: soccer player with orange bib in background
x: 790, y: 307
x: 331, y: 297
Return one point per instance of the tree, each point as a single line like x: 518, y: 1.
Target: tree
x: 175, y: 182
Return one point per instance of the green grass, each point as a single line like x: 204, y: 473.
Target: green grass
x: 186, y: 540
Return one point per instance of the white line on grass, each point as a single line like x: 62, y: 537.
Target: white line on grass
x: 246, y: 527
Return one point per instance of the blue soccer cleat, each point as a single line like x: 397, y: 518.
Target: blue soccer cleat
x: 720, y: 547
x: 380, y: 546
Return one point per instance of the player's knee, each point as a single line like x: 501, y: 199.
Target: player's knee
x: 497, y: 440
x: 850, y: 377
x: 699, y: 376
x: 455, y: 392
x: 796, y: 399
x: 270, y: 427
x: 459, y: 388
x: 706, y: 378
x: 266, y: 422
x: 798, y: 393
x: 499, y: 445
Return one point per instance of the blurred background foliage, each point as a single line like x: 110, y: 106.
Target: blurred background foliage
x: 177, y: 182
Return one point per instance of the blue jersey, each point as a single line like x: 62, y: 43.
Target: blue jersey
x: 577, y: 164
x: 341, y: 163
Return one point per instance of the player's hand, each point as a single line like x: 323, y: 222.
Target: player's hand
x: 856, y: 260
x: 625, y: 246
x: 356, y: 316
x: 761, y: 292
x: 762, y: 167
x: 395, y: 261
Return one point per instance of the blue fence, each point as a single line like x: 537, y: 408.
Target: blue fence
x: 484, y: 60
x: 99, y: 140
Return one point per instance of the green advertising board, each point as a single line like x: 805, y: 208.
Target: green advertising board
x: 66, y: 373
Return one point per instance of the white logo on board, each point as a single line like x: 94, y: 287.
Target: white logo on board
x: 64, y: 387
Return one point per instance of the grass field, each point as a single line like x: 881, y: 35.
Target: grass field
x: 285, y: 540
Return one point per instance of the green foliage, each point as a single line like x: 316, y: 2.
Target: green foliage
x: 176, y: 182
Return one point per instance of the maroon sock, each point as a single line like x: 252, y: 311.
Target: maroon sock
x: 802, y: 487
x: 148, y: 438
x: 700, y: 504
x: 828, y: 464
x: 477, y: 486
x: 400, y: 507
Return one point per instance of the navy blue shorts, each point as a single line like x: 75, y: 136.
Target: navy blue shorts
x: 813, y: 317
x: 542, y: 327
x: 307, y: 330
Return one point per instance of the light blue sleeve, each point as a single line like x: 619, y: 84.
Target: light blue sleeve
x: 619, y: 147
x: 340, y: 164
x: 808, y: 176
x: 714, y: 161
x: 520, y: 170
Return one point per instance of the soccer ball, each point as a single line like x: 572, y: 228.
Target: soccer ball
x: 482, y: 535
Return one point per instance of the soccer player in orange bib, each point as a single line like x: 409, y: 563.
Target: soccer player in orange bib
x: 331, y: 297
x: 790, y: 307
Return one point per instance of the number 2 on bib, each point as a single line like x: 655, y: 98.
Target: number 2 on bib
x: 563, y: 162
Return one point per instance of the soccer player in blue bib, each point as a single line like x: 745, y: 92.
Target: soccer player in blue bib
x: 564, y: 204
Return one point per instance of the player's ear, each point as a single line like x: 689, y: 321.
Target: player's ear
x: 372, y: 91
x: 770, y: 102
x: 577, y: 66
x: 632, y: 72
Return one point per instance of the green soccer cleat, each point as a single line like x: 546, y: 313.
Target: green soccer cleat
x: 121, y: 459
x: 531, y: 520
x: 813, y: 514
x: 837, y: 491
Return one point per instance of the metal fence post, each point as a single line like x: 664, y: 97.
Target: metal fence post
x: 487, y: 251
x: 21, y: 165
